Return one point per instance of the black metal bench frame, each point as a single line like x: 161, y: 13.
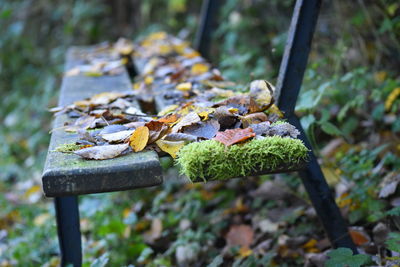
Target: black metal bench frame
x: 289, y: 82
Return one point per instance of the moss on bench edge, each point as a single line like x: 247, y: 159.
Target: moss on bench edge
x: 211, y: 160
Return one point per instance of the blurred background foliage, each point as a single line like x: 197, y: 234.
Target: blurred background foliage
x: 350, y: 102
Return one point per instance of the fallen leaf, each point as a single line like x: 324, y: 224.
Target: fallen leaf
x: 72, y: 72
x: 180, y: 137
x: 230, y: 137
x: 261, y: 128
x: 155, y: 231
x: 244, y: 252
x: 225, y: 118
x: 184, y: 86
x: 241, y: 102
x: 267, y: 226
x: 262, y: 92
x: 167, y: 110
x: 81, y: 123
x: 207, y: 129
x: 199, y: 68
x: 171, y: 118
x: 187, y: 120
x: 170, y: 147
x: 102, y: 152
x: 359, y: 236
x: 240, y: 235
x: 105, y: 98
x: 139, y: 138
x: 389, y: 184
x: 117, y: 137
x: 253, y: 118
x: 380, y: 233
x: 157, y: 130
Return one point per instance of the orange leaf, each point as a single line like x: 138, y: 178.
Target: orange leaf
x: 230, y: 137
x: 169, y: 118
x: 359, y: 237
x: 139, y: 138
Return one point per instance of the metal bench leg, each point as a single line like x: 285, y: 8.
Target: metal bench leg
x: 322, y: 199
x: 209, y: 12
x: 68, y: 228
x: 291, y: 73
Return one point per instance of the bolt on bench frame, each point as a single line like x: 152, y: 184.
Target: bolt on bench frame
x: 291, y: 73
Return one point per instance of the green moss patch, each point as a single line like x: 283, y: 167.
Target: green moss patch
x: 211, y: 160
x: 68, y: 148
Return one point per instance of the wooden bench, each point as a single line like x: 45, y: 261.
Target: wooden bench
x: 66, y: 176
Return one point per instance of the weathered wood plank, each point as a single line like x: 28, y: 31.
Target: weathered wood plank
x: 68, y: 174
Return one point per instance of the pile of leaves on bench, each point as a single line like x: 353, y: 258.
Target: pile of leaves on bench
x: 212, y: 132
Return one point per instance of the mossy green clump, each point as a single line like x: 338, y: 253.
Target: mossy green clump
x: 68, y: 148
x: 211, y: 160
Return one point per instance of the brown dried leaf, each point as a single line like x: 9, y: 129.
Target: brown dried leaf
x: 139, y: 138
x: 187, y: 120
x: 225, y: 118
x: 157, y: 130
x: 240, y: 235
x: 230, y: 137
x: 253, y: 118
x: 102, y: 152
x: 241, y: 102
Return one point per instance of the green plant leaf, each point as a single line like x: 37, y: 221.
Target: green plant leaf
x: 393, y: 243
x: 343, y: 257
x: 330, y: 128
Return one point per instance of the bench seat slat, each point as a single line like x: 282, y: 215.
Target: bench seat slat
x: 68, y: 174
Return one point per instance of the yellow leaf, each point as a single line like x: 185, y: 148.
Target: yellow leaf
x: 124, y: 61
x: 167, y: 109
x: 157, y: 36
x: 148, y: 80
x: 380, y: 76
x: 170, y: 147
x: 136, y: 86
x: 184, y: 86
x: 275, y: 110
x: 105, y: 98
x: 139, y: 138
x: 32, y: 190
x: 41, y: 219
x: 199, y: 68
x: 203, y: 115
x: 192, y: 54
x: 180, y: 48
x: 244, y: 252
x: 391, y: 98
x: 310, y: 244
x: 262, y: 92
x: 126, y: 212
x: 165, y: 49
x: 330, y: 175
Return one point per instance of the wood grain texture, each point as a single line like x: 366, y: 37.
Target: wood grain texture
x: 68, y: 174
